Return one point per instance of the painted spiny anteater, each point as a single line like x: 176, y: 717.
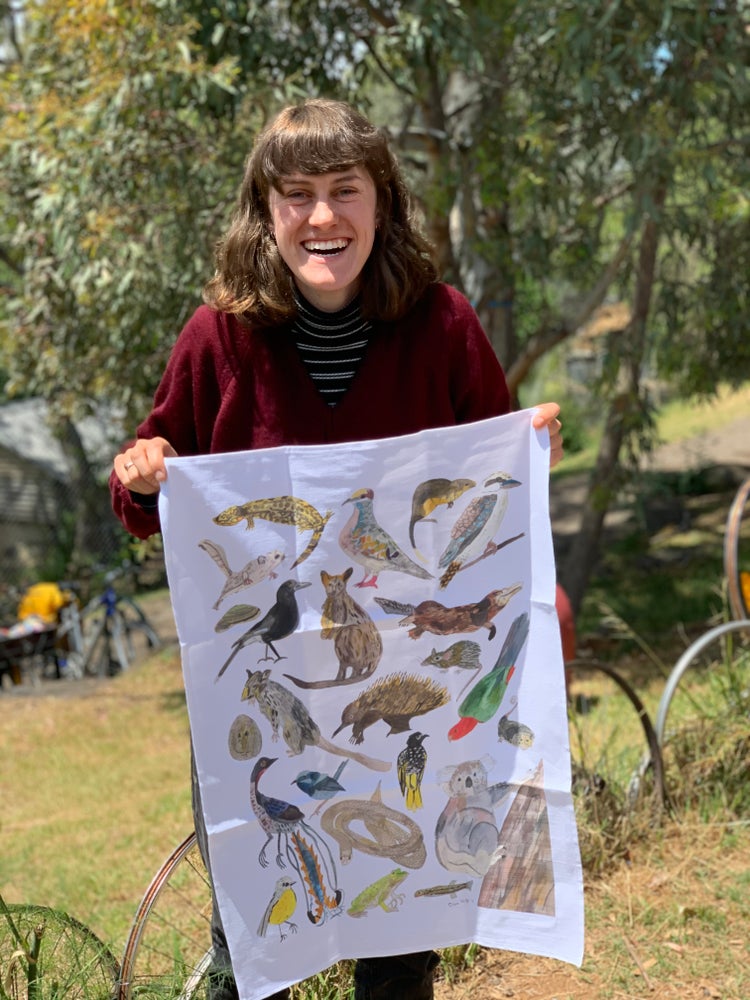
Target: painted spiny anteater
x: 395, y: 699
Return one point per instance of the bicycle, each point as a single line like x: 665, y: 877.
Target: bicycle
x: 46, y: 953
x: 101, y: 638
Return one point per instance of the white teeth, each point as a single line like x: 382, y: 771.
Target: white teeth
x: 313, y: 245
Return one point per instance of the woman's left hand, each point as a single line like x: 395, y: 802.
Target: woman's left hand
x: 546, y: 416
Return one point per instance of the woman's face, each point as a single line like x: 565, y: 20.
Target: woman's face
x: 324, y: 226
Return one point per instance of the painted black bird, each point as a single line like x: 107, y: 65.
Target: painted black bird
x: 278, y: 622
x: 411, y: 764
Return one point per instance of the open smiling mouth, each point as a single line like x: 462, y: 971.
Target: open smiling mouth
x: 325, y: 248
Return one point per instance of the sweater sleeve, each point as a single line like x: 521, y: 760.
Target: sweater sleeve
x: 478, y: 385
x: 184, y: 411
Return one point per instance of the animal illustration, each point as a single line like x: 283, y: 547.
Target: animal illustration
x: 452, y: 889
x: 523, y: 879
x: 280, y: 510
x: 238, y: 614
x: 284, y: 710
x: 410, y: 765
x: 244, y: 738
x: 356, y: 640
x: 251, y: 573
x: 466, y: 834
x: 472, y: 534
x: 395, y: 700
x: 307, y: 852
x: 431, y: 616
x: 484, y: 699
x: 431, y: 494
x: 371, y: 546
x: 281, y: 619
x: 464, y: 654
x: 392, y: 834
x: 319, y: 786
x: 280, y: 909
x: 381, y: 893
x: 515, y: 733
x: 276, y: 817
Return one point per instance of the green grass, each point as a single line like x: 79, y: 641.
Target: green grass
x: 99, y: 794
x: 676, y: 420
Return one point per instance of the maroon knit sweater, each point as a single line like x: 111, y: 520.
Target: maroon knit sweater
x: 228, y: 388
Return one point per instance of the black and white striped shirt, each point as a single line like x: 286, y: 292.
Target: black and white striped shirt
x: 331, y: 345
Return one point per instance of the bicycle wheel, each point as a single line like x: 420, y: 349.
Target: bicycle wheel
x: 46, y: 953
x: 141, y: 635
x: 97, y: 660
x: 611, y: 734
x: 737, y: 554
x: 703, y: 719
x: 168, y: 950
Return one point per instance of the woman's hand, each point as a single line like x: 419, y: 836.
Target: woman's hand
x: 141, y: 466
x: 546, y: 416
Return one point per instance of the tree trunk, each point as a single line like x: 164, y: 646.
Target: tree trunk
x: 624, y: 418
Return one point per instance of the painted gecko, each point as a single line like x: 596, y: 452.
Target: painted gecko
x: 452, y: 889
x: 380, y: 893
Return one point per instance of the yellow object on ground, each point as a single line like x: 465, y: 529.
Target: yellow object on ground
x: 43, y: 600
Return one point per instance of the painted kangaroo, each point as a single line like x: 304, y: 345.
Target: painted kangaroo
x: 356, y: 640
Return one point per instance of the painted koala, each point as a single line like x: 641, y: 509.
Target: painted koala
x: 466, y: 834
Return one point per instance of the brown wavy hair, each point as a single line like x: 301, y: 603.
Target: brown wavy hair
x: 317, y: 137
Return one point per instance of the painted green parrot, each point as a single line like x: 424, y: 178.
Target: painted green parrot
x: 484, y: 699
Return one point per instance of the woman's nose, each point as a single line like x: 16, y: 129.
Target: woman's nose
x: 321, y: 213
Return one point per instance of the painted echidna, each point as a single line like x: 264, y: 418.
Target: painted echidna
x: 394, y: 699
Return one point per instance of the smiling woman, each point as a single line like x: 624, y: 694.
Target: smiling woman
x: 324, y: 226
x: 324, y: 322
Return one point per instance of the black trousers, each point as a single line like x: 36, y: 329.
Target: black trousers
x: 393, y: 977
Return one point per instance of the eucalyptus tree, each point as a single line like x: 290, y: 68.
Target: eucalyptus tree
x: 563, y: 152
x: 110, y: 178
x: 576, y: 151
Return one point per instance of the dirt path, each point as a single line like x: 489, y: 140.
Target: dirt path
x: 726, y: 452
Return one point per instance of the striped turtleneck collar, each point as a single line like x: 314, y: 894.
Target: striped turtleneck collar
x: 331, y: 345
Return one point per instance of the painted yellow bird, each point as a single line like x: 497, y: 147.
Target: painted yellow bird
x: 281, y: 906
x: 411, y: 763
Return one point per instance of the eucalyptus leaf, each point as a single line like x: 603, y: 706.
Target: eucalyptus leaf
x: 236, y: 615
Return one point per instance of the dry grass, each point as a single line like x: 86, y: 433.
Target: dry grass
x: 668, y: 923
x: 97, y: 792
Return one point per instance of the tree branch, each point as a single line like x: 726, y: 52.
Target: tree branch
x: 547, y: 338
x: 400, y: 87
x: 378, y: 16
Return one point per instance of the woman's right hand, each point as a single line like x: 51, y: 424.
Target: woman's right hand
x: 141, y: 467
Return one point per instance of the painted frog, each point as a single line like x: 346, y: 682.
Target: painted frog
x: 380, y: 893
